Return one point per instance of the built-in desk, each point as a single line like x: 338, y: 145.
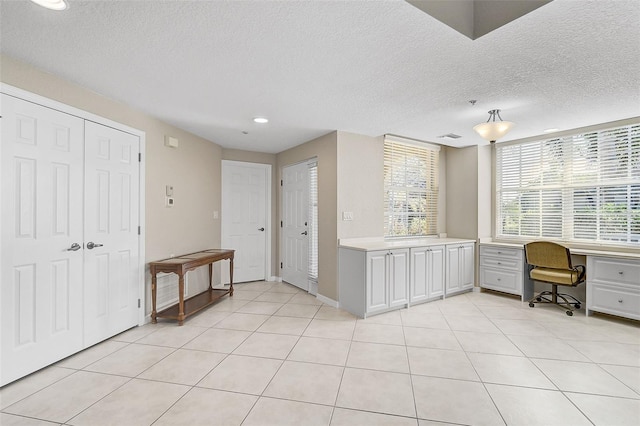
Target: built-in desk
x: 612, y: 284
x: 180, y: 265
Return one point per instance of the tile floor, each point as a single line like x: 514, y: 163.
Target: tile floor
x: 273, y: 355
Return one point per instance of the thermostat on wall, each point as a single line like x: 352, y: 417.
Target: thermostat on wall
x: 169, y: 201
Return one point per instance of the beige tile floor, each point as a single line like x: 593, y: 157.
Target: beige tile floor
x: 273, y: 355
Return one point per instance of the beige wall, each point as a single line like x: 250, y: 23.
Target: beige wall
x: 271, y: 159
x: 360, y: 185
x: 193, y: 168
x: 462, y: 192
x: 324, y: 149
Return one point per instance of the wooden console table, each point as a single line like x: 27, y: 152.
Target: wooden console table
x: 180, y: 265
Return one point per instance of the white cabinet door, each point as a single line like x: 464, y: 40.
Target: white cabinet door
x: 427, y: 273
x: 377, y: 282
x: 111, y: 223
x: 453, y: 280
x: 436, y: 271
x: 467, y: 265
x: 398, y: 266
x: 460, y: 267
x: 419, y: 274
x: 41, y: 218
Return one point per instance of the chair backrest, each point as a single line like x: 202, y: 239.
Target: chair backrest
x: 546, y: 254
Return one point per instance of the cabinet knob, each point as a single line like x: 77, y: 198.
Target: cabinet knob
x: 499, y: 279
x: 499, y: 263
x: 499, y: 252
x: 619, y: 300
x: 621, y: 273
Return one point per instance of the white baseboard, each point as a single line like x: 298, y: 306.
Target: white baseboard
x: 477, y: 289
x: 275, y: 279
x: 326, y: 300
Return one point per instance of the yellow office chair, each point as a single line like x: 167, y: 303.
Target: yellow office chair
x: 551, y: 263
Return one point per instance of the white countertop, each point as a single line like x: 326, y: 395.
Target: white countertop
x: 604, y: 251
x: 371, y: 244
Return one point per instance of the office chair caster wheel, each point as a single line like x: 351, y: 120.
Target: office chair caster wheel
x: 570, y: 313
x: 531, y: 305
x: 539, y: 299
x: 577, y: 305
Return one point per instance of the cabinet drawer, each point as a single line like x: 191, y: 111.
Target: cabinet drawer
x: 615, y: 301
x: 501, y: 280
x: 500, y: 262
x: 502, y: 252
x: 614, y: 271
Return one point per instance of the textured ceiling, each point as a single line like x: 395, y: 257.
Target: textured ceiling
x: 367, y: 67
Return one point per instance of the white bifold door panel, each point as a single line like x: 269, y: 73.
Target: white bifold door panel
x: 42, y: 184
x: 65, y: 182
x: 110, y: 231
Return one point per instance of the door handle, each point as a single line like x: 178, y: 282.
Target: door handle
x: 91, y: 245
x: 74, y: 247
x: 261, y: 229
x: 303, y: 233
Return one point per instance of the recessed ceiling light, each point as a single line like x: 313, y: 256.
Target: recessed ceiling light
x: 52, y: 4
x: 261, y: 120
x: 551, y: 130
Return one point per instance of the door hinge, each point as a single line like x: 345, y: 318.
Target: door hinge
x: 280, y: 224
x: 280, y: 265
x: 139, y: 157
x: 138, y: 230
x: 138, y: 303
x: 280, y: 182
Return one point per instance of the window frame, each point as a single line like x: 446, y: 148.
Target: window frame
x: 411, y: 188
x: 589, y: 165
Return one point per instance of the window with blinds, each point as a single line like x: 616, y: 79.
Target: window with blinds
x: 583, y: 188
x: 313, y: 221
x: 410, y: 188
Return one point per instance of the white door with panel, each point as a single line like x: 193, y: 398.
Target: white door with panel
x: 295, y: 211
x: 66, y: 183
x: 427, y: 273
x: 245, y: 189
x: 460, y: 260
x: 42, y: 235
x: 110, y: 231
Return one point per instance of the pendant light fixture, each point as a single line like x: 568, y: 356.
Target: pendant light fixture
x: 492, y: 130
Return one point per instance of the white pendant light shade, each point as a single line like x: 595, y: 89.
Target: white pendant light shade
x: 52, y: 4
x: 493, y: 130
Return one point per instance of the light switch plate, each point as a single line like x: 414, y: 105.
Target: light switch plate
x: 169, y: 191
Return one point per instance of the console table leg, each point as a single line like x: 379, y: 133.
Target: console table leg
x: 231, y: 277
x: 181, y: 297
x: 154, y: 320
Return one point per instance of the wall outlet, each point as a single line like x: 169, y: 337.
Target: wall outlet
x: 169, y: 202
x: 347, y: 215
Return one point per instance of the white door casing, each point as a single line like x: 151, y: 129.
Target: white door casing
x: 111, y: 223
x: 294, y: 231
x: 246, y: 219
x: 42, y: 184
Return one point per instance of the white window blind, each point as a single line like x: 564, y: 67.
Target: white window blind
x: 313, y: 221
x: 584, y: 187
x: 410, y: 188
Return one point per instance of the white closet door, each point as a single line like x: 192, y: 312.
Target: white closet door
x: 111, y: 224
x: 41, y: 218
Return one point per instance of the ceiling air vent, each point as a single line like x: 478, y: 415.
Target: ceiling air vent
x: 450, y: 136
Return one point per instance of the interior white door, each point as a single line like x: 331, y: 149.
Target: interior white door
x: 244, y: 219
x: 111, y: 231
x: 41, y: 225
x: 295, y: 211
